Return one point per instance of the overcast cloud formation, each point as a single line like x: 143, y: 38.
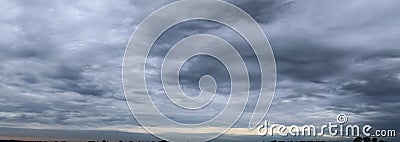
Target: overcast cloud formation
x: 60, y: 61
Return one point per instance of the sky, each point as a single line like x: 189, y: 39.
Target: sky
x: 61, y: 63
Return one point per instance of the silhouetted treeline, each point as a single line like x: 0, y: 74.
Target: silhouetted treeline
x: 302, y: 141
x: 66, y: 141
x: 357, y: 139
x: 27, y: 141
x: 367, y: 139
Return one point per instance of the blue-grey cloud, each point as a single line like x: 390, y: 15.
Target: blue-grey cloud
x: 61, y: 61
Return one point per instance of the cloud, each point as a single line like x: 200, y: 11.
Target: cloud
x: 331, y: 59
x: 61, y: 61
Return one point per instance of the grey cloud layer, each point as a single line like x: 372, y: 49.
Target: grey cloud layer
x: 61, y: 61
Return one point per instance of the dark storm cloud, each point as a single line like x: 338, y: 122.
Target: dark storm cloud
x: 380, y: 84
x: 307, y: 60
x: 265, y: 11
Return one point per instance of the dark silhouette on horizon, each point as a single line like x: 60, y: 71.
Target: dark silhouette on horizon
x: 367, y: 139
x: 357, y: 139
